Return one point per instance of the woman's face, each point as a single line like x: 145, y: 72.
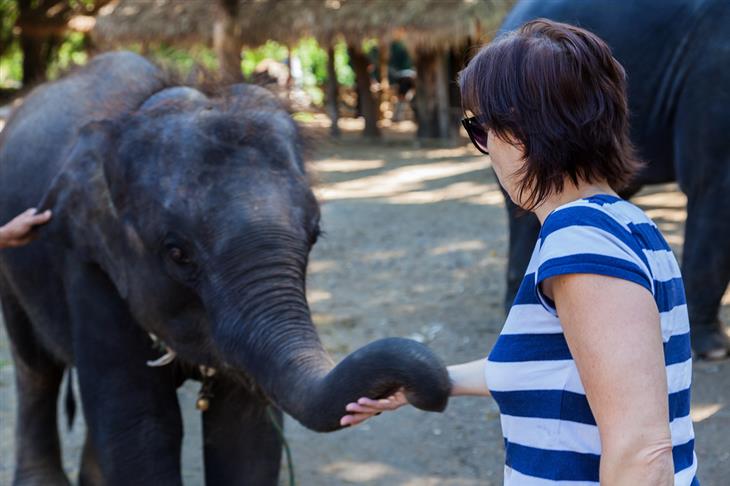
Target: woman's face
x: 507, y: 160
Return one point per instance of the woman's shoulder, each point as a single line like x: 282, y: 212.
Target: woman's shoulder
x: 602, y: 235
x: 600, y: 215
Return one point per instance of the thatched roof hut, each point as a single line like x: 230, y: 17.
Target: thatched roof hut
x: 436, y: 24
x: 432, y: 23
x: 146, y: 21
x: 436, y: 31
x: 184, y: 22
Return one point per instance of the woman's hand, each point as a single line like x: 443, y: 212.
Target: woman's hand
x: 466, y: 379
x: 366, y: 408
x: 18, y: 231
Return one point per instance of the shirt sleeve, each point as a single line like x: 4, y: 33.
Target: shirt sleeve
x: 589, y: 242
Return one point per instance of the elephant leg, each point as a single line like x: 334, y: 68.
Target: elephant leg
x: 706, y: 270
x: 524, y: 229
x: 241, y: 445
x: 702, y: 150
x: 90, y: 473
x: 131, y: 410
x: 38, y: 378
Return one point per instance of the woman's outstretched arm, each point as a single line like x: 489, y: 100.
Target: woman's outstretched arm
x: 468, y: 379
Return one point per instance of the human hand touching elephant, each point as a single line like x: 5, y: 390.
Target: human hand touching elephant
x: 18, y: 231
x: 465, y: 379
x: 365, y: 408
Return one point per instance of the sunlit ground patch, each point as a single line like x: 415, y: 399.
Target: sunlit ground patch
x: 398, y: 180
x: 468, y: 245
x: 471, y: 190
x: 346, y: 165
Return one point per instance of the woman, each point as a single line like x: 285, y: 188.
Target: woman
x: 592, y: 369
x: 18, y: 231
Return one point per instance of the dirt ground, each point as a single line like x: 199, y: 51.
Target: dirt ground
x: 415, y: 246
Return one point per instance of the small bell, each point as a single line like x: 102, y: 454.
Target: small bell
x: 202, y: 404
x: 204, y: 395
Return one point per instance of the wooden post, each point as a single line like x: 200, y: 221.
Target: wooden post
x: 383, y: 61
x: 432, y: 94
x: 289, y: 77
x: 443, y: 107
x: 367, y: 101
x: 226, y: 41
x: 37, y: 54
x: 333, y: 92
x: 456, y: 62
x: 425, y: 99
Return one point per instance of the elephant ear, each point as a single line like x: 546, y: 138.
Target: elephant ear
x: 84, y: 215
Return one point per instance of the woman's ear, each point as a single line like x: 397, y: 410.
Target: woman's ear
x: 84, y: 215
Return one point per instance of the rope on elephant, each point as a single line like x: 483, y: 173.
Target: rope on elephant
x: 280, y: 431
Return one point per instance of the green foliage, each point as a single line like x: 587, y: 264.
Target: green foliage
x: 345, y: 74
x: 8, y: 14
x: 80, y: 5
x: 369, y: 44
x: 303, y: 116
x: 313, y: 60
x: 314, y: 63
x: 11, y: 67
x: 183, y: 60
x: 314, y: 68
x: 10, y: 55
x: 71, y: 52
x: 252, y: 57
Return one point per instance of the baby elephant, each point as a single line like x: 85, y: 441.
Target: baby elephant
x: 182, y: 227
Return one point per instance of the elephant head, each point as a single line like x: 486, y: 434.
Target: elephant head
x: 200, y: 212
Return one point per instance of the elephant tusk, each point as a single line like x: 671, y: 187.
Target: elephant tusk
x: 163, y: 360
x: 166, y: 358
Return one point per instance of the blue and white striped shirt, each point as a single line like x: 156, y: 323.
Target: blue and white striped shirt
x: 550, y: 434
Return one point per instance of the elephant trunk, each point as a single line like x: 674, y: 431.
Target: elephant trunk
x: 317, y: 397
x: 265, y: 330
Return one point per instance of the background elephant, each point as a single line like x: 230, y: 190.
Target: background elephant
x: 677, y: 58
x: 185, y: 216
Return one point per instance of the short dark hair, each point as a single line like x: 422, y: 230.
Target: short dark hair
x: 556, y: 90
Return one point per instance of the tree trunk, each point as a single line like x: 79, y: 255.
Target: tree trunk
x: 383, y: 62
x: 425, y: 99
x: 442, y: 96
x: 457, y: 62
x: 226, y: 41
x: 37, y: 54
x: 333, y: 94
x: 289, y: 77
x: 432, y: 105
x: 367, y: 101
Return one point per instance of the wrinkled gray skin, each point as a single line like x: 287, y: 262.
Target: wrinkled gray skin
x: 189, y: 217
x: 677, y: 58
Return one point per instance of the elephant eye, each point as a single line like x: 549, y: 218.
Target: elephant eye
x: 177, y: 255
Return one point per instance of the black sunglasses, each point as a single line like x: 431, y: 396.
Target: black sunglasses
x: 477, y: 133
